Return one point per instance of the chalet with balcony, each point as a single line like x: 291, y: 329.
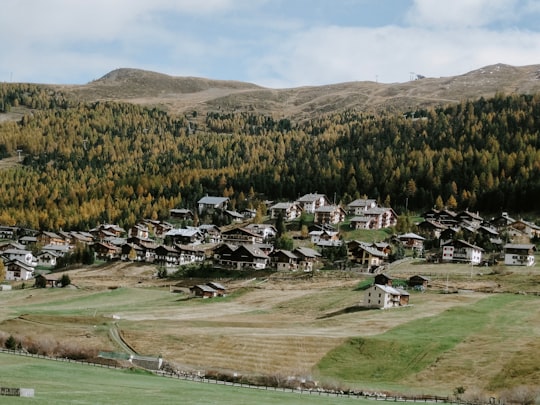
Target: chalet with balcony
x: 284, y: 260
x: 241, y: 257
x: 157, y: 228
x: 461, y: 251
x: 445, y: 217
x: 51, y: 238
x: 106, y: 231
x: 375, y: 218
x: 311, y: 202
x: 240, y: 236
x: 211, y: 233
x: 211, y: 204
x: 182, y: 213
x: 21, y: 255
x: 190, y: 254
x: 185, y: 236
x: 289, y: 211
x: 132, y: 252
x: 474, y: 219
x: 234, y: 216
x: 329, y: 214
x: 47, y: 259
x: 167, y: 256
x: 17, y: 270
x: 317, y: 236
x: 267, y: 231
x: 307, y: 258
x: 365, y: 254
x: 360, y: 206
x: 519, y: 254
x: 106, y: 251
x: 11, y: 245
x: 139, y: 231
x: 431, y: 228
x: 8, y: 232
x: 527, y: 228
x: 412, y: 241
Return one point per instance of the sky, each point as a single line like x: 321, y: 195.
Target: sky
x: 272, y: 43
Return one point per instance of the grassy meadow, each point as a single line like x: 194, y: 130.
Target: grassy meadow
x: 69, y: 383
x: 484, y: 336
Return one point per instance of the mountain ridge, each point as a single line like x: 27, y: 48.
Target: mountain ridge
x: 180, y: 95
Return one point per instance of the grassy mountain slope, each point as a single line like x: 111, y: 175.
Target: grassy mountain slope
x: 186, y: 94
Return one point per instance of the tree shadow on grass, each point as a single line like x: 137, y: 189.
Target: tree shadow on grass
x: 348, y: 310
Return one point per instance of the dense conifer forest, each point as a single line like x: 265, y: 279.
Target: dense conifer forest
x: 117, y: 162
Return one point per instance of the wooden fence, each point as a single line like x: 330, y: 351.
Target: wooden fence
x: 316, y: 392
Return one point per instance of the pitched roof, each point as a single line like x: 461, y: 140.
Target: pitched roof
x: 310, y: 197
x: 216, y: 285
x: 203, y: 287
x: 307, y: 252
x: 362, y: 202
x: 186, y: 232
x: 388, y: 289
x: 283, y: 206
x: 209, y: 200
x: 520, y: 246
x: 411, y: 235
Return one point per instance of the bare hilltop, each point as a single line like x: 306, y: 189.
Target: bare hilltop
x: 181, y: 95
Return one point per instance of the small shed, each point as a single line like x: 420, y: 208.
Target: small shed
x: 220, y: 288
x: 49, y: 280
x: 383, y: 279
x: 202, y: 290
x: 418, y: 281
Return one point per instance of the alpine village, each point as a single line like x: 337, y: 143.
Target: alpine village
x: 305, y: 239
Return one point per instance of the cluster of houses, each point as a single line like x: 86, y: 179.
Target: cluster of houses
x: 367, y: 214
x: 249, y: 245
x: 513, y: 238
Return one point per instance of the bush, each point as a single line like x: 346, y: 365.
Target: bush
x: 11, y: 343
x: 40, y: 282
x: 522, y: 394
x: 162, y: 272
x: 65, y: 280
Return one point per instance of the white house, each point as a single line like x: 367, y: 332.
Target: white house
x: 385, y: 296
x: 358, y: 207
x: 209, y: 203
x: 288, y: 210
x: 310, y: 202
x: 461, y: 251
x: 267, y: 231
x: 24, y: 256
x: 519, y: 254
x: 17, y: 270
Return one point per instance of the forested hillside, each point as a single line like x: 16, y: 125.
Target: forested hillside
x: 119, y: 162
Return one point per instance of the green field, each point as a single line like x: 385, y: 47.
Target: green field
x: 470, y: 329
x: 69, y: 383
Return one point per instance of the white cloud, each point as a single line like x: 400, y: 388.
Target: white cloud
x: 277, y: 43
x: 460, y: 13
x: 389, y: 54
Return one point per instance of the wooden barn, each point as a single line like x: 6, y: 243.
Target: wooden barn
x: 203, y: 291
